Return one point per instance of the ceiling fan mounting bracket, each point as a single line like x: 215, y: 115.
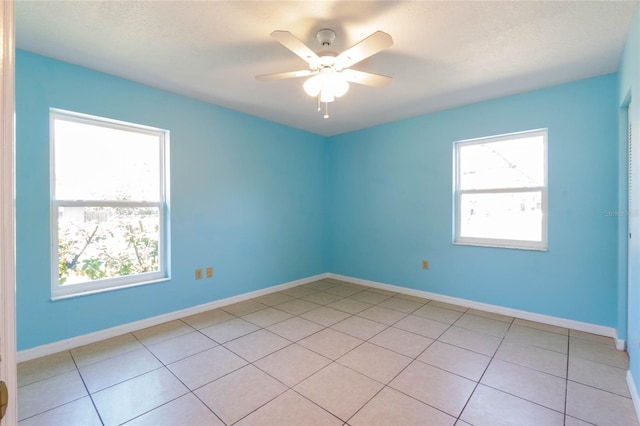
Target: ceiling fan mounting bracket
x: 325, y: 37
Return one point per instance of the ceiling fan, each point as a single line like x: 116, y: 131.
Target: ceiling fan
x: 331, y: 73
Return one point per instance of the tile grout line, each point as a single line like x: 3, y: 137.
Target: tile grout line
x: 76, y: 369
x: 93, y: 403
x: 162, y: 366
x: 386, y: 385
x: 416, y: 359
x: 563, y: 413
x: 239, y: 368
x: 252, y: 363
x: 424, y: 350
x: 332, y: 361
x: 483, y: 373
x: 166, y: 366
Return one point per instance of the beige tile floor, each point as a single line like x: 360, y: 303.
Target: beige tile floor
x: 331, y: 353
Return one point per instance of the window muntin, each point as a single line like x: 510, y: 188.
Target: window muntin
x: 108, y: 204
x: 501, y: 191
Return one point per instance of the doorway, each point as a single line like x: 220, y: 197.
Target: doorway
x: 7, y: 214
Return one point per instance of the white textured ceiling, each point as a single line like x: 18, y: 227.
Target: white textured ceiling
x: 445, y: 54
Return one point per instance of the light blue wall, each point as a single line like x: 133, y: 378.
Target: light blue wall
x: 266, y: 204
x: 247, y: 197
x: 628, y: 91
x: 391, y: 204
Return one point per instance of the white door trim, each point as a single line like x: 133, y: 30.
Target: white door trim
x: 7, y: 212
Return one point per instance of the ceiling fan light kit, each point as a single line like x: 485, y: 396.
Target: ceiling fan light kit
x: 330, y: 73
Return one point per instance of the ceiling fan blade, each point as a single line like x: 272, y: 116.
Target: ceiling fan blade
x: 366, y: 78
x: 371, y: 45
x: 281, y: 75
x: 292, y: 43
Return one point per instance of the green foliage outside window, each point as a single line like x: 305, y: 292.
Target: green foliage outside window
x: 107, y: 243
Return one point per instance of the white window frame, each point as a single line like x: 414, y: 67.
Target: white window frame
x: 64, y: 291
x: 458, y: 193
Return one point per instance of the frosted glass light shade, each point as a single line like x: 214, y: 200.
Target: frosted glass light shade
x: 326, y: 95
x: 314, y: 85
x: 328, y: 85
x: 340, y: 86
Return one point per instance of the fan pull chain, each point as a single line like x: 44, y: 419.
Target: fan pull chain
x: 326, y: 108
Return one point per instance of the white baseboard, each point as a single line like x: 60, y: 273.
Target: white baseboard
x: 74, y: 342
x: 545, y: 319
x: 634, y: 393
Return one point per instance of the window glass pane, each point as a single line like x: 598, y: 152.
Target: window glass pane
x: 506, y: 216
x: 512, y: 163
x: 94, y: 162
x: 105, y: 242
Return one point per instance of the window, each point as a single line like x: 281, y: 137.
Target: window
x: 501, y: 191
x: 108, y: 204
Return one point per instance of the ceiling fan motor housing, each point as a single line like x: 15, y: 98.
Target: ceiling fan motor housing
x: 326, y: 58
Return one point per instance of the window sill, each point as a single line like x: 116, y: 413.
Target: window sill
x: 89, y: 292
x: 500, y: 246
